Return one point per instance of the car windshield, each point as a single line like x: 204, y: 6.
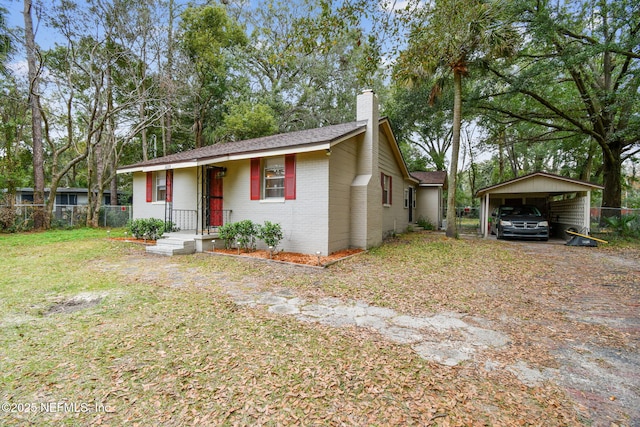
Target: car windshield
x: 519, y: 211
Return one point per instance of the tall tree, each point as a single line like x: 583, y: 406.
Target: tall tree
x: 98, y: 75
x: 208, y: 36
x: 167, y: 81
x: 578, y: 72
x: 307, y: 72
x: 424, y: 125
x: 446, y: 36
x: 39, y: 217
x: 15, y: 155
x: 5, y: 41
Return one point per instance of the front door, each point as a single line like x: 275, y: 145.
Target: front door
x: 215, y: 197
x: 411, y: 205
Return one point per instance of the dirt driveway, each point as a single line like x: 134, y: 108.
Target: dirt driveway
x: 590, y: 327
x: 570, y: 316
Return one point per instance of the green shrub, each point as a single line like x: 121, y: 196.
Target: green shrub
x: 247, y: 233
x: 150, y: 228
x: 7, y: 218
x: 425, y: 223
x: 626, y: 225
x: 228, y: 232
x: 270, y: 233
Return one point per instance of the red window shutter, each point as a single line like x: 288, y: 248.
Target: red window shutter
x: 290, y: 177
x: 382, y: 186
x: 255, y: 179
x: 149, y: 186
x: 169, y: 184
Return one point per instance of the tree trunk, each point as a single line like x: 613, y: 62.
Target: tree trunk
x: 143, y: 134
x: 612, y: 173
x: 9, y: 197
x: 168, y: 119
x: 587, y: 165
x: 452, y: 227
x: 197, y: 128
x: 113, y: 185
x: 502, y: 141
x: 39, y: 217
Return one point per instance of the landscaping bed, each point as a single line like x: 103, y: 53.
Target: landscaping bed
x: 292, y: 257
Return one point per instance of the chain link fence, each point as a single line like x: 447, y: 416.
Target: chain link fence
x: 468, y: 220
x: 20, y: 216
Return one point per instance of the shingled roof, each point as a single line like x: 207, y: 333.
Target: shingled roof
x: 301, y: 138
x: 431, y: 178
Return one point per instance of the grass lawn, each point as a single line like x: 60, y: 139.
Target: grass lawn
x: 89, y: 338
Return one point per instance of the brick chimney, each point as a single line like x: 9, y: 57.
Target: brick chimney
x: 366, y: 193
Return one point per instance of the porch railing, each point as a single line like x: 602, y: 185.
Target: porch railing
x: 185, y: 219
x: 224, y: 214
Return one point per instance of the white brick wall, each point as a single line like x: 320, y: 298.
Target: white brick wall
x: 304, y: 221
x: 428, y: 204
x: 343, y: 169
x: 142, y: 209
x: 184, y: 194
x: 395, y: 218
x: 185, y: 186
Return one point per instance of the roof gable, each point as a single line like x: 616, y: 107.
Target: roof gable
x: 539, y: 182
x: 385, y: 127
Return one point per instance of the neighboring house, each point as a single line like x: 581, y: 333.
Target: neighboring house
x: 65, y: 196
x: 330, y: 188
x: 430, y: 196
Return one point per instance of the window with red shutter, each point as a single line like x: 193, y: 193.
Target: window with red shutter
x: 149, y: 187
x: 255, y: 179
x: 169, y: 183
x: 290, y: 177
x: 273, y: 178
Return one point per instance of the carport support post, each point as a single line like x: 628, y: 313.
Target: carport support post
x: 587, y: 212
x: 485, y: 216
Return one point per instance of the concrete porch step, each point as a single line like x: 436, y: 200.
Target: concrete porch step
x: 173, y: 245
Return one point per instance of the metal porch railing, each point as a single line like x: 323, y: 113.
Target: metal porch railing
x: 224, y: 215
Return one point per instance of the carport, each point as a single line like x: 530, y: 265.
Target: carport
x: 564, y: 201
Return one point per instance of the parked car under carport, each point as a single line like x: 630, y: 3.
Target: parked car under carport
x: 519, y: 222
x: 566, y: 200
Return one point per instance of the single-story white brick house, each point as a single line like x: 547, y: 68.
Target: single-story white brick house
x: 330, y: 188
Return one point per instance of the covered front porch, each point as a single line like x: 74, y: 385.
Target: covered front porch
x: 201, y: 211
x: 194, y: 207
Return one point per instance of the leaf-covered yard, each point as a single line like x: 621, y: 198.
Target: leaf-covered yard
x: 154, y: 340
